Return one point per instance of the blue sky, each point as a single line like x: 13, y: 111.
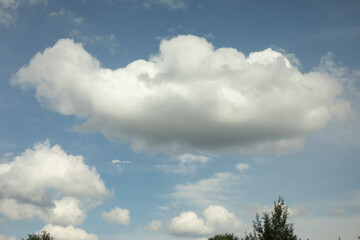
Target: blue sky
x: 175, y: 119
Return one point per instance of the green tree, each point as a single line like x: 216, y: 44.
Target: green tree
x: 40, y: 236
x: 273, y: 226
x: 226, y: 236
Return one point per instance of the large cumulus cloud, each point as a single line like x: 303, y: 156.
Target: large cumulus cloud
x: 188, y: 96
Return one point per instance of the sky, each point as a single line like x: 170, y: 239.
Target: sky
x: 178, y: 119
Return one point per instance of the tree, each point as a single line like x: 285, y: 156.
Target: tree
x: 273, y: 226
x: 226, y: 236
x: 40, y: 236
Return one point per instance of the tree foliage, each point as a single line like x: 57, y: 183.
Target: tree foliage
x: 226, y: 236
x: 40, y: 236
x: 273, y: 226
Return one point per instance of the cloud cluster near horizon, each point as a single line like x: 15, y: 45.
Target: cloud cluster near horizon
x: 188, y: 97
x: 216, y: 219
x: 47, y: 183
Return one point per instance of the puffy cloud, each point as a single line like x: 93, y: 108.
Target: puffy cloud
x: 217, y: 219
x: 14, y: 210
x: 242, y: 167
x: 189, y: 224
x: 206, y: 191
x: 221, y: 220
x: 154, y: 225
x: 48, y: 183
x: 117, y: 215
x: 69, y: 232
x: 188, y: 97
x: 66, y: 211
x: 187, y: 163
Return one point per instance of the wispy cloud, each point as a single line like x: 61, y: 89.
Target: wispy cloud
x: 67, y: 14
x: 207, y: 191
x: 8, y: 10
x: 185, y: 164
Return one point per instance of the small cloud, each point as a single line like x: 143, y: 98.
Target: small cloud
x: 297, y: 211
x: 154, y: 225
x: 163, y: 208
x: 117, y: 215
x: 61, y: 12
x: 117, y: 161
x: 78, y: 20
x: 171, y: 4
x: 8, y: 154
x: 242, y: 167
x: 68, y: 14
x: 186, y: 164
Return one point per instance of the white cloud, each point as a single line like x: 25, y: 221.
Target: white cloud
x: 69, y: 232
x: 66, y: 211
x: 78, y: 20
x: 48, y: 183
x: 117, y: 161
x: 3, y: 237
x: 297, y: 211
x: 188, y: 224
x: 14, y: 210
x: 174, y: 4
x: 61, y: 12
x: 221, y: 220
x: 206, y: 191
x: 216, y: 219
x: 171, y: 4
x: 117, y: 215
x: 188, y: 97
x: 242, y: 167
x: 350, y: 78
x: 118, y: 164
x: 154, y: 225
x: 187, y: 164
